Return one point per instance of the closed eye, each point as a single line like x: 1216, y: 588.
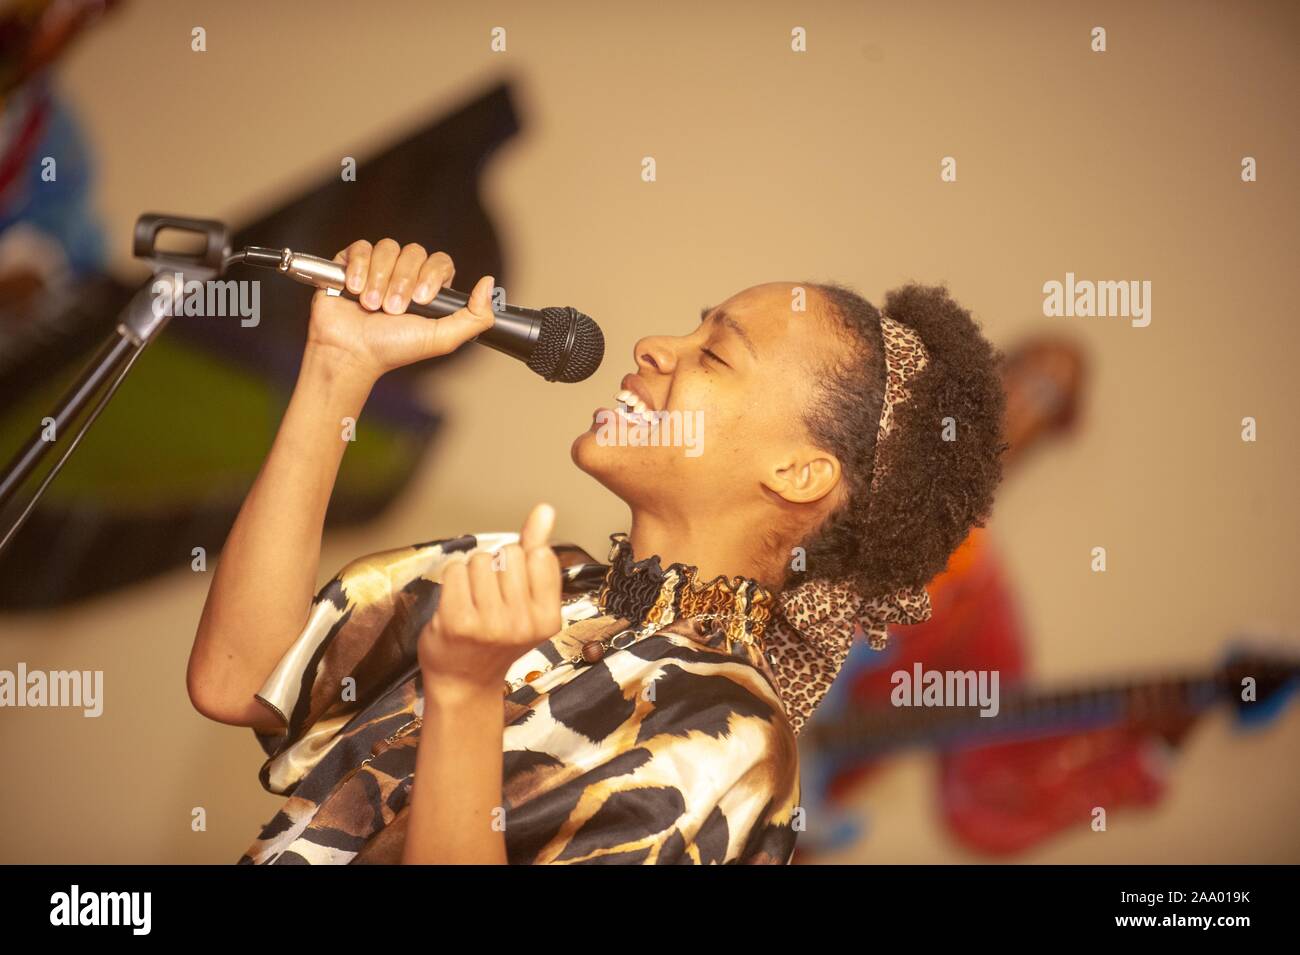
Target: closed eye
x: 711, y: 354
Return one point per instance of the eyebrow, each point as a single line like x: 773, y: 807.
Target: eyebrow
x: 722, y: 318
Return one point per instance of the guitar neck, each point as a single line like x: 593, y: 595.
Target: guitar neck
x: 1028, y: 713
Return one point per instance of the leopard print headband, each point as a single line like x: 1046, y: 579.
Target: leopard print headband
x: 812, y: 631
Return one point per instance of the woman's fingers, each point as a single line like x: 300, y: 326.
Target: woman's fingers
x: 537, y: 527
x: 416, y: 338
x: 543, y: 569
x: 544, y: 587
x: 357, y: 259
x: 491, y: 609
x: 406, y: 272
x: 382, y: 259
x: 483, y: 584
x: 526, y: 603
x: 389, y: 277
x: 455, y: 605
x: 436, y: 273
x: 512, y: 574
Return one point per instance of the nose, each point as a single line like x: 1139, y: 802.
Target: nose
x: 657, y: 353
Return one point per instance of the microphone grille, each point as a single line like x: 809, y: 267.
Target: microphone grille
x: 570, y: 346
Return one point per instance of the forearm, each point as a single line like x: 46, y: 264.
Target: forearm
x: 265, y: 580
x: 456, y: 796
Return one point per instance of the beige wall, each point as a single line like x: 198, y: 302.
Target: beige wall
x: 771, y: 165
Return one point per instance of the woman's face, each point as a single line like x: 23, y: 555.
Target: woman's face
x: 723, y: 408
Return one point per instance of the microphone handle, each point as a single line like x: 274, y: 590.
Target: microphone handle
x: 514, y: 331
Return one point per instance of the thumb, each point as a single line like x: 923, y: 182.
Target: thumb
x: 452, y: 331
x: 537, y: 529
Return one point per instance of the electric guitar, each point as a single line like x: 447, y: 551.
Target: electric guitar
x: 1004, y: 787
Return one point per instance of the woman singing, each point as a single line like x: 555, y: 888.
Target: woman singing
x: 493, y: 698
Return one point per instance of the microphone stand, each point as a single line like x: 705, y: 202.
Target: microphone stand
x: 142, y: 320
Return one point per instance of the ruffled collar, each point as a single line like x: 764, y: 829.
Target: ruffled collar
x: 645, y: 592
x: 800, y: 637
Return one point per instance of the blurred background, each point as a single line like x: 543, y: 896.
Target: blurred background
x: 527, y: 163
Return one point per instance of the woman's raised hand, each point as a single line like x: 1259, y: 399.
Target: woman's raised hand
x: 492, y: 609
x: 374, y: 336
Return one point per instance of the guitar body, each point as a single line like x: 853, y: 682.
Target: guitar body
x: 1007, y: 798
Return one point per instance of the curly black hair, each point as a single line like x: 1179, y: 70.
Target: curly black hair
x: 934, y: 490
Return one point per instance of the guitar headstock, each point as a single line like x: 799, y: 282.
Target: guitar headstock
x: 1258, y: 677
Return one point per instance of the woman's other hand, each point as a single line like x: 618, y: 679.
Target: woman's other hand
x: 492, y: 609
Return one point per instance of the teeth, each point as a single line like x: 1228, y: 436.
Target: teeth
x: 632, y: 406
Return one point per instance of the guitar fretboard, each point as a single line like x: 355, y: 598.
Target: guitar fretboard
x: 1025, y: 713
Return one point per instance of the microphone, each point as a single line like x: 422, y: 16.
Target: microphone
x: 560, y: 344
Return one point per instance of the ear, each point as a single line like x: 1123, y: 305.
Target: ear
x: 807, y: 475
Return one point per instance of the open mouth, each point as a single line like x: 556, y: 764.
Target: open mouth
x: 629, y: 405
x: 633, y: 403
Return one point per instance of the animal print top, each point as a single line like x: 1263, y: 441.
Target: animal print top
x: 672, y: 750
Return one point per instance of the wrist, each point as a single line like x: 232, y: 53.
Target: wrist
x: 337, y: 369
x: 450, y: 693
